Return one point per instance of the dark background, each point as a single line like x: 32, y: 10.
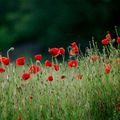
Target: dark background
x: 33, y: 26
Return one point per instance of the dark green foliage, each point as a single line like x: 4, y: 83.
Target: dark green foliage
x: 51, y: 21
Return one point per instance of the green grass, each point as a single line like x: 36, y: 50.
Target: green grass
x: 94, y: 97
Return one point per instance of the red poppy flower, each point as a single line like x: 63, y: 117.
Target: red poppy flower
x: 20, y: 61
x: 34, y: 69
x: 61, y: 51
x: 107, y: 68
x: 2, y: 70
x: 79, y: 76
x: 118, y: 40
x: 38, y: 57
x: 73, y: 44
x: 25, y: 76
x: 19, y: 118
x: 48, y: 63
x: 56, y: 67
x: 72, y: 63
x: 72, y: 52
x: 30, y: 97
x: 94, y: 58
x: 118, y: 107
x: 63, y: 76
x: 5, y: 60
x: 105, y: 41
x: 74, y: 49
x: 50, y: 78
x: 108, y: 36
x: 54, y: 52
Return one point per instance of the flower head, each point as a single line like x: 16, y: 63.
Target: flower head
x: 107, y: 68
x: 30, y: 97
x: 79, y: 76
x: 61, y: 51
x: 19, y: 118
x: 5, y: 60
x: 94, y: 57
x: 54, y: 51
x: 108, y: 36
x: 20, y: 61
x: 118, y: 40
x: 56, y: 67
x: 48, y: 63
x: 105, y: 41
x: 34, y: 69
x: 74, y: 49
x: 63, y: 77
x: 73, y: 44
x: 50, y: 78
x: 2, y: 70
x: 25, y: 76
x: 38, y: 57
x: 72, y: 63
x: 118, y: 107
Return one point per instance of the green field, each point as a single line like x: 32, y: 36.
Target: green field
x: 89, y: 90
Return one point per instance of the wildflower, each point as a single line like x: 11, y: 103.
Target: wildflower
x: 30, y: 97
x: 72, y: 52
x: 38, y: 57
x: 94, y: 58
x: 34, y: 69
x: 118, y: 60
x: 118, y: 107
x: 63, y: 76
x: 73, y: 44
x: 56, y: 67
x: 79, y: 76
x: 25, y: 76
x: 20, y: 61
x: 74, y: 49
x: 2, y: 70
x: 105, y: 41
x: 5, y: 60
x: 107, y: 68
x: 54, y: 52
x: 48, y: 63
x: 61, y: 51
x: 50, y: 78
x: 118, y: 40
x: 19, y: 118
x: 108, y: 36
x: 72, y: 63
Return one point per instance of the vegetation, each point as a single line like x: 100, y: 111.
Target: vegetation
x: 86, y: 87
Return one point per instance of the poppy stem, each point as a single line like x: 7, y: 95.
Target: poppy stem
x: 116, y: 31
x: 63, y: 58
x: 56, y: 61
x: 11, y: 49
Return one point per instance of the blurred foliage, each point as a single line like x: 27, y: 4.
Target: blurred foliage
x: 52, y: 22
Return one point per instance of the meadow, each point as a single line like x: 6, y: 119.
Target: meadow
x: 84, y: 87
